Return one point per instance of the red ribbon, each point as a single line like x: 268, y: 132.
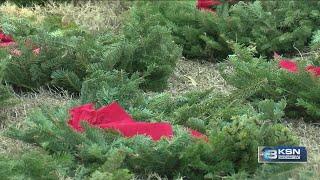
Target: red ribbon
x: 8, y: 41
x: 207, y: 4
x: 315, y: 70
x: 5, y: 40
x: 113, y: 116
x: 292, y: 66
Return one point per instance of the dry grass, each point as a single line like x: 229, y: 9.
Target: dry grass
x: 196, y: 75
x: 12, y: 146
x: 309, y: 136
x: 15, y: 11
x: 91, y: 16
x: 16, y: 114
x: 28, y: 101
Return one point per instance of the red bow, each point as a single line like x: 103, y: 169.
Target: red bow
x: 7, y: 41
x: 113, y: 116
x: 207, y: 4
x: 315, y: 70
x: 289, y: 65
x: 292, y: 66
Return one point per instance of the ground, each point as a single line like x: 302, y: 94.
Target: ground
x: 188, y: 75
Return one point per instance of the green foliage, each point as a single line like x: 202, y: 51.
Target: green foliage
x: 245, y: 134
x: 272, y: 25
x: 283, y: 171
x: 146, y: 47
x: 280, y: 26
x: 34, y: 164
x: 315, y: 43
x: 68, y: 54
x: 119, y: 174
x: 110, y: 170
x: 277, y: 172
x: 235, y: 130
x: 301, y: 90
x: 65, y: 54
x: 6, y: 97
x: 197, y: 32
x: 271, y: 109
x: 105, y: 87
x: 106, y: 67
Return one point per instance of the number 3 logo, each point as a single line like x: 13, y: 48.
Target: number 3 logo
x: 270, y: 154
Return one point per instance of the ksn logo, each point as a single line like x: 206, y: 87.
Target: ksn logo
x: 282, y: 154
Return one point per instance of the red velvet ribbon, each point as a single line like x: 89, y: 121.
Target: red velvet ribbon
x: 8, y: 41
x: 291, y: 66
x: 207, y: 5
x: 114, y: 117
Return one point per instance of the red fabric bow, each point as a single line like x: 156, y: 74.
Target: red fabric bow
x: 113, y: 116
x: 292, y: 66
x: 286, y: 64
x: 289, y: 65
x: 315, y: 70
x: 7, y: 41
x: 207, y: 4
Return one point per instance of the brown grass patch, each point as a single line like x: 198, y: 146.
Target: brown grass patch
x: 196, y: 75
x: 91, y: 16
x: 15, y: 115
